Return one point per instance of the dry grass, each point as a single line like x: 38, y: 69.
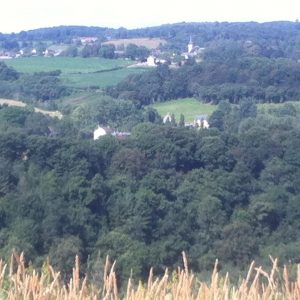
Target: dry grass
x: 10, y: 102
x: 149, y: 43
x: 17, y: 103
x: 18, y: 282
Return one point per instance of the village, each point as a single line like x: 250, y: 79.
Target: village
x: 152, y: 57
x: 200, y: 122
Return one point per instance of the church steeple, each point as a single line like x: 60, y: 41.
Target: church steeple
x: 190, y: 45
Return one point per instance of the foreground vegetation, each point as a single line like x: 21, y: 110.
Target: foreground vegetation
x: 25, y: 283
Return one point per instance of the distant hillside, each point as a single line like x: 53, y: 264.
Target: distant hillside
x: 272, y: 39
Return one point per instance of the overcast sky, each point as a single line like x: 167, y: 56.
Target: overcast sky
x: 17, y: 15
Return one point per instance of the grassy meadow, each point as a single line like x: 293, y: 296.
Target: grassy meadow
x: 67, y: 65
x: 189, y: 107
x: 101, y: 79
x: 78, y: 72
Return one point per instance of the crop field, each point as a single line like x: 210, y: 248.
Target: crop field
x: 149, y: 43
x: 78, y: 72
x: 189, y: 107
x: 101, y: 80
x: 66, y: 64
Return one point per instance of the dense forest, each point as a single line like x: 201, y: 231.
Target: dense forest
x: 230, y: 192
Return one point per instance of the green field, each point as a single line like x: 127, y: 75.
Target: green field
x: 101, y: 80
x: 189, y: 107
x: 78, y: 72
x: 66, y: 64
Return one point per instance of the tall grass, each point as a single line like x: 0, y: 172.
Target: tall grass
x: 19, y: 282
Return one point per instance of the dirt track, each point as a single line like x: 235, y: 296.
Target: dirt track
x: 52, y: 114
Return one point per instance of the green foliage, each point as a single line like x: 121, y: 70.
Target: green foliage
x: 7, y: 73
x: 135, y: 52
x: 107, y: 51
x: 231, y: 191
x: 263, y: 79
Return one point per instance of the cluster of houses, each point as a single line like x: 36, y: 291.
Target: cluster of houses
x: 103, y: 131
x: 30, y: 52
x: 200, y: 121
x: 48, y: 52
x: 156, y: 58
x: 193, y: 51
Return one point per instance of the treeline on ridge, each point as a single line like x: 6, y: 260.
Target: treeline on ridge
x: 272, y: 39
x: 215, y: 79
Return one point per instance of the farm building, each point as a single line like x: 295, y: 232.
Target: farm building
x: 103, y: 131
x: 201, y: 121
x: 100, y: 131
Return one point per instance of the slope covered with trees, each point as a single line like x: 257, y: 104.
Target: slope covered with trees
x: 230, y: 192
x: 219, y: 78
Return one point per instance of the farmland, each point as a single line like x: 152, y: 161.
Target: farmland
x: 150, y: 43
x: 67, y: 65
x: 78, y: 72
x: 99, y: 79
x: 10, y: 102
x: 189, y: 107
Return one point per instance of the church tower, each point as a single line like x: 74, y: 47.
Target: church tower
x: 190, y: 45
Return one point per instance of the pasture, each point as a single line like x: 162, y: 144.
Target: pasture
x: 100, y: 79
x: 189, y: 107
x: 68, y: 65
x: 78, y: 72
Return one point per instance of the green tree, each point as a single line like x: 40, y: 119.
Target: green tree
x: 181, y: 121
x: 107, y: 51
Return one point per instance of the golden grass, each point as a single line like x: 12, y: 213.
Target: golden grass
x: 17, y: 103
x: 150, y: 43
x: 18, y: 282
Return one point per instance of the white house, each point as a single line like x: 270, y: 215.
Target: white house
x: 151, y: 61
x: 201, y: 121
x: 99, y: 132
x: 167, y: 118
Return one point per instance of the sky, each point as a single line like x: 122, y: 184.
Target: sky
x: 17, y: 15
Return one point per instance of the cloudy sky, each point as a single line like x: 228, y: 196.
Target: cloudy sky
x: 17, y: 15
